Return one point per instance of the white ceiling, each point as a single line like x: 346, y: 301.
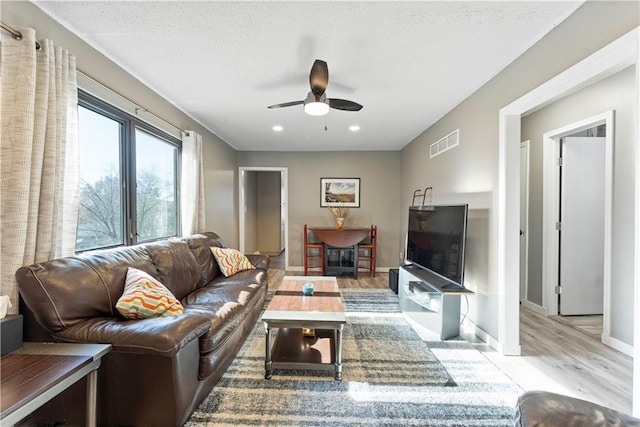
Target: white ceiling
x: 223, y: 63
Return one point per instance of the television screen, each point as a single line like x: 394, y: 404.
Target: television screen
x: 436, y: 239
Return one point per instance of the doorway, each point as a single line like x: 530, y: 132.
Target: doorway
x: 263, y: 213
x: 577, y: 195
x: 614, y: 57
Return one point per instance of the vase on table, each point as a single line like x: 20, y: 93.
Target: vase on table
x: 340, y: 223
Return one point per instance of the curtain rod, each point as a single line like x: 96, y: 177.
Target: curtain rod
x: 136, y: 108
x: 15, y: 33
x: 18, y: 36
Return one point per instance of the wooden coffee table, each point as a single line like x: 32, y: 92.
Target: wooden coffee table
x: 322, y: 314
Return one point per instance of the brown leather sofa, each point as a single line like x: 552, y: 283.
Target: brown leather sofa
x: 159, y: 369
x: 544, y: 409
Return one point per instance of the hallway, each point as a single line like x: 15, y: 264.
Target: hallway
x: 278, y: 261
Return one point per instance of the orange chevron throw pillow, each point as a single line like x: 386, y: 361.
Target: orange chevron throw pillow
x: 146, y: 297
x: 231, y: 261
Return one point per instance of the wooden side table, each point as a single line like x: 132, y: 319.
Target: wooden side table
x: 37, y: 372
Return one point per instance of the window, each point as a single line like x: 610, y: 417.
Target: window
x: 128, y: 178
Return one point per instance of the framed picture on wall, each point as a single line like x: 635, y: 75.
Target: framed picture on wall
x: 340, y: 192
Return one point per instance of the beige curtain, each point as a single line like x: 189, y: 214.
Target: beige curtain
x: 192, y: 185
x: 38, y: 155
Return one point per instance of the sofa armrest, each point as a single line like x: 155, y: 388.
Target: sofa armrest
x: 259, y: 261
x: 159, y: 335
x: 542, y: 408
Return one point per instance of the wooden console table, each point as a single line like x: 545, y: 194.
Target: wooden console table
x: 341, y: 244
x: 37, y: 372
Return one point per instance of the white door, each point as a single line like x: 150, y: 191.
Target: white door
x: 524, y: 209
x: 582, y: 225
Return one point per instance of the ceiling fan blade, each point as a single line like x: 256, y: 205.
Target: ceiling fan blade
x: 343, y: 104
x: 319, y: 77
x: 286, y: 104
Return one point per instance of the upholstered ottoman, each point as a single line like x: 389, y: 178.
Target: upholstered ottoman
x: 544, y: 409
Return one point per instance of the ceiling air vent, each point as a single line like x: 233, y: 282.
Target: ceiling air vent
x: 444, y: 144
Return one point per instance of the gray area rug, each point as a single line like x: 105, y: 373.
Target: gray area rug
x: 392, y: 376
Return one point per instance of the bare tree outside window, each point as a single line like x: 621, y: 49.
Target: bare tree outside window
x: 100, y: 213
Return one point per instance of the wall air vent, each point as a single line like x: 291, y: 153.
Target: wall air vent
x: 444, y: 144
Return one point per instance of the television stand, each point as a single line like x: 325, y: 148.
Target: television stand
x: 430, y: 300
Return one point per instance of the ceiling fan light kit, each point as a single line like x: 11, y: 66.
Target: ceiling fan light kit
x: 316, y: 108
x: 317, y: 103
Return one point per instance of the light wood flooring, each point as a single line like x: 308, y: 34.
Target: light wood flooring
x: 556, y: 356
x: 590, y: 325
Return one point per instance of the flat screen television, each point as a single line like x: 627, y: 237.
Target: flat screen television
x: 436, y: 240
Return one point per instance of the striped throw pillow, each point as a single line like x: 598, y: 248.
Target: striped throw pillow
x: 231, y: 261
x: 146, y: 297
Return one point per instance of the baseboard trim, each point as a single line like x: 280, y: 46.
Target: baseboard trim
x: 616, y: 344
x: 378, y: 270
x: 470, y: 328
x: 535, y: 307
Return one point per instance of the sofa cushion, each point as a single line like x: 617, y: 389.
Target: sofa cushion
x: 200, y: 245
x: 259, y: 261
x: 226, y: 301
x: 231, y: 261
x: 228, y: 321
x: 163, y: 336
x: 146, y: 297
x: 176, y: 265
x: 223, y: 318
x: 52, y: 289
x: 239, y: 288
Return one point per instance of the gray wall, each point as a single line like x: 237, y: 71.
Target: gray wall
x: 469, y: 172
x: 380, y: 201
x: 614, y: 93
x: 219, y: 158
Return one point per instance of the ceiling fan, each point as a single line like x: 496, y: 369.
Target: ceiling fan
x: 317, y: 103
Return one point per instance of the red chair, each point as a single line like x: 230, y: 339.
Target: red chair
x: 313, y: 254
x: 367, y: 251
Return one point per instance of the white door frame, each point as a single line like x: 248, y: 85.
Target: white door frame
x: 612, y: 58
x: 550, y: 201
x: 241, y: 203
x: 525, y: 300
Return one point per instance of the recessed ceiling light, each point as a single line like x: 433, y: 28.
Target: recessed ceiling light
x: 354, y: 128
x: 277, y: 128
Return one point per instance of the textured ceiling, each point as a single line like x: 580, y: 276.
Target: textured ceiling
x: 223, y: 63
